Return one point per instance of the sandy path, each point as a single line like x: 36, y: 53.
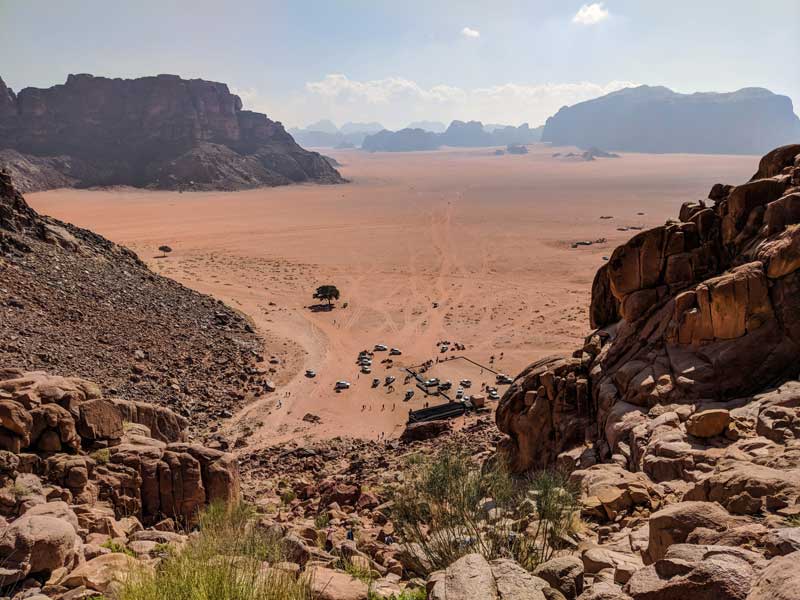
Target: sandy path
x: 488, y: 238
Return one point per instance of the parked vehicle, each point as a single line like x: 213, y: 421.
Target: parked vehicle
x: 342, y: 385
x: 395, y: 352
x: 389, y: 380
x: 366, y: 369
x: 376, y: 382
x: 381, y: 348
x: 310, y: 373
x: 459, y: 394
x: 433, y: 381
x: 465, y: 383
x: 493, y: 395
x: 503, y: 379
x: 409, y: 394
x: 445, y: 385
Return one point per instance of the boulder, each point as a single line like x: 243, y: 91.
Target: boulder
x: 515, y: 583
x: 780, y: 580
x: 37, y: 545
x: 328, y: 584
x: 696, y: 572
x: 100, y: 419
x: 564, y: 573
x: 467, y: 578
x: 162, y: 423
x: 708, y: 423
x: 103, y: 573
x: 673, y: 524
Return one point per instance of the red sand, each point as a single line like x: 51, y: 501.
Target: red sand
x: 487, y: 237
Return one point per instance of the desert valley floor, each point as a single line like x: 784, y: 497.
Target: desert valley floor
x: 457, y: 245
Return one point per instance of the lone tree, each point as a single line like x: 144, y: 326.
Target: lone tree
x: 164, y: 251
x: 327, y: 292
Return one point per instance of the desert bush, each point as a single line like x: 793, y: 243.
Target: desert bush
x: 450, y: 507
x: 225, y: 560
x: 116, y: 546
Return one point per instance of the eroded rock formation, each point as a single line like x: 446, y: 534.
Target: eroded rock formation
x: 78, y: 469
x: 162, y: 131
x: 679, y: 417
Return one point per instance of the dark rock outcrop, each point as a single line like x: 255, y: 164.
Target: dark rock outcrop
x: 161, y: 131
x: 656, y: 119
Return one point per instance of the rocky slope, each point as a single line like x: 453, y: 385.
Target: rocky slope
x: 656, y: 119
x: 73, y: 303
x: 679, y: 417
x: 163, y: 132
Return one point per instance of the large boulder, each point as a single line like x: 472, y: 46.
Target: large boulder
x: 696, y: 572
x: 37, y: 545
x: 780, y: 580
x: 673, y: 524
x: 100, y: 419
x: 564, y: 573
x: 104, y: 574
x: 468, y: 577
x: 329, y: 584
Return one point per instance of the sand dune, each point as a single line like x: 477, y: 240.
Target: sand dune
x: 488, y: 238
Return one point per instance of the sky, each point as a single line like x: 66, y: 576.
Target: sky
x: 498, y: 61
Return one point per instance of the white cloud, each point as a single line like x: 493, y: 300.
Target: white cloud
x: 468, y: 32
x: 395, y: 101
x: 591, y: 14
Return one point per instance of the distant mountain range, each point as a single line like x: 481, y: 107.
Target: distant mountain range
x: 658, y: 120
x: 434, y: 126
x: 325, y: 134
x: 471, y: 134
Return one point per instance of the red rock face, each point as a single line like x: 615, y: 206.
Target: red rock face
x: 702, y: 309
x: 129, y: 131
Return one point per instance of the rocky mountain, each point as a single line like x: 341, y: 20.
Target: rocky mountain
x: 678, y: 418
x: 434, y: 126
x: 405, y: 140
x: 656, y: 119
x: 163, y: 132
x: 325, y: 134
x: 75, y: 304
x: 458, y: 134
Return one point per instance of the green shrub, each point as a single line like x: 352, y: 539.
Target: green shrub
x: 450, y: 507
x: 224, y: 561
x: 116, y: 546
x: 360, y: 572
x: 102, y: 456
x: 322, y: 520
x: 408, y: 594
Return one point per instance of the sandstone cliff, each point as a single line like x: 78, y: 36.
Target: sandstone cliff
x: 163, y: 132
x: 73, y: 303
x: 656, y: 119
x: 679, y: 419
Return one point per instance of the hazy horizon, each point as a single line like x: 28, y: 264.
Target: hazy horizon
x: 516, y: 62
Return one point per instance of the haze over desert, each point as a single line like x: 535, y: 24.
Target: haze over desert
x: 489, y: 239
